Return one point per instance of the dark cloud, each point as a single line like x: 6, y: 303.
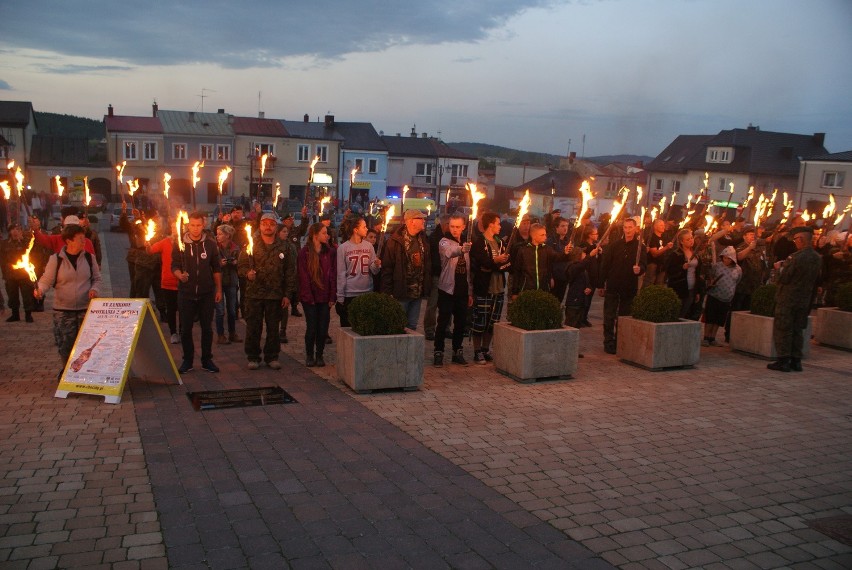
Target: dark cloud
x: 87, y: 69
x: 5, y: 86
x: 259, y: 34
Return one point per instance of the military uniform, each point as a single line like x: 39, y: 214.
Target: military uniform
x: 796, y: 287
x: 275, y: 279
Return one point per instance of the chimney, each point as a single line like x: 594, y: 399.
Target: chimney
x: 640, y: 164
x: 110, y: 111
x: 414, y: 132
x: 329, y: 121
x: 819, y: 139
x: 571, y: 157
x: 306, y: 118
x: 787, y: 152
x: 191, y: 118
x: 154, y: 109
x: 261, y: 114
x: 424, y: 135
x: 753, y: 127
x: 221, y: 111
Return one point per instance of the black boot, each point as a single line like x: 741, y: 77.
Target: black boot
x: 15, y: 317
x: 782, y: 365
x: 310, y: 361
x: 28, y: 316
x: 796, y: 364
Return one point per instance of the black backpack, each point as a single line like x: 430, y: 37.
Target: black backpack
x: 88, y: 260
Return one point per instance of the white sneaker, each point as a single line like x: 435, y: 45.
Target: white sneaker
x: 253, y: 365
x: 175, y: 339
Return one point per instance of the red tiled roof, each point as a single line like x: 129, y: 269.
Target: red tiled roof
x: 260, y: 127
x: 126, y: 124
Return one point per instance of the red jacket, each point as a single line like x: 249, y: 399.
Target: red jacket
x: 164, y: 248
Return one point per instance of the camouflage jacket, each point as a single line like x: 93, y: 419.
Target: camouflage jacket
x: 275, y: 265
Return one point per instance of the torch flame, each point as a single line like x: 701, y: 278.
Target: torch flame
x: 689, y: 199
x: 25, y: 264
x: 653, y: 213
x: 195, y: 168
x: 523, y: 208
x: 586, y: 195
x: 223, y: 177
x: 249, y: 241
x: 806, y: 216
x: 710, y: 222
x: 120, y: 169
x: 150, y: 230
x: 706, y: 180
x: 642, y: 218
x: 428, y: 210
x: 10, y: 165
x: 166, y: 178
x: 86, y: 188
x: 263, y: 158
x: 313, y: 164
x: 7, y: 190
x: 181, y: 218
x: 671, y: 203
x: 475, y: 197
x: 638, y: 195
x: 59, y: 187
x: 352, y: 176
x: 663, y: 203
x: 132, y: 186
x: 749, y: 197
x: 277, y: 194
x: 388, y: 216
x: 830, y: 209
x: 617, y: 206
x: 323, y: 202
x: 732, y: 187
x: 19, y: 177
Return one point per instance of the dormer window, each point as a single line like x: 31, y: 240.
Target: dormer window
x: 722, y: 155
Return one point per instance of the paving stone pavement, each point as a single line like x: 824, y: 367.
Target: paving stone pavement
x: 715, y: 467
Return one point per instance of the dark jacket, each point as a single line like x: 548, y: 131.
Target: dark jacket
x: 309, y: 292
x: 200, y: 259
x: 617, y: 275
x: 394, y: 261
x: 578, y: 281
x: 482, y: 265
x: 533, y: 267
x: 275, y: 268
x: 676, y: 274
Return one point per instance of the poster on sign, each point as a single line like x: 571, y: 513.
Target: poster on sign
x: 119, y: 338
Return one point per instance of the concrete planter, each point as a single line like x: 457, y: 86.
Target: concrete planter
x: 834, y: 328
x: 752, y: 334
x: 528, y: 356
x: 368, y: 363
x: 657, y: 346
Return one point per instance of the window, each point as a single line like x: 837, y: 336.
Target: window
x: 719, y: 155
x: 460, y: 171
x: 658, y: 184
x: 424, y: 169
x: 223, y: 152
x: 675, y: 185
x: 322, y: 152
x: 303, y: 152
x: 179, y: 151
x: 264, y: 148
x: 205, y: 151
x: 4, y: 152
x: 130, y: 150
x: 149, y: 150
x: 611, y: 189
x: 832, y: 179
x: 725, y: 184
x: 372, y: 166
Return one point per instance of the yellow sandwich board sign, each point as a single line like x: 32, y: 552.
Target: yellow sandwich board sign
x: 118, y: 338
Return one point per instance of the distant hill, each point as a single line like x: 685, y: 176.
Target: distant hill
x: 69, y: 126
x: 514, y: 156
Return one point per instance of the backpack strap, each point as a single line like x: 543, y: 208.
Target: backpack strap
x: 88, y: 260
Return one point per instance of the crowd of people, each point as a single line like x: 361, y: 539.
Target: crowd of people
x: 259, y: 269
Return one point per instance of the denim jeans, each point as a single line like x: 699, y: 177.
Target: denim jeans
x: 412, y: 310
x: 317, y: 317
x: 229, y: 303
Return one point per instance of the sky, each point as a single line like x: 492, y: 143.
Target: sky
x: 592, y: 76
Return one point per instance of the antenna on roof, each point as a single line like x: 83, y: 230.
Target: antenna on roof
x: 203, y: 96
x: 259, y: 102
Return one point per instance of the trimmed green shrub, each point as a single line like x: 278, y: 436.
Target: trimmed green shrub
x: 763, y: 300
x: 374, y: 314
x: 843, y: 296
x: 535, y: 311
x: 656, y: 304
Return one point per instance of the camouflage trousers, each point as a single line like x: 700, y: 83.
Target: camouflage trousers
x: 66, y: 325
x: 257, y: 313
x: 788, y: 331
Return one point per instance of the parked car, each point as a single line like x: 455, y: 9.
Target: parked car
x: 98, y: 203
x: 115, y: 216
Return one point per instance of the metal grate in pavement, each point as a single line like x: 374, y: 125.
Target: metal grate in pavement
x: 239, y: 398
